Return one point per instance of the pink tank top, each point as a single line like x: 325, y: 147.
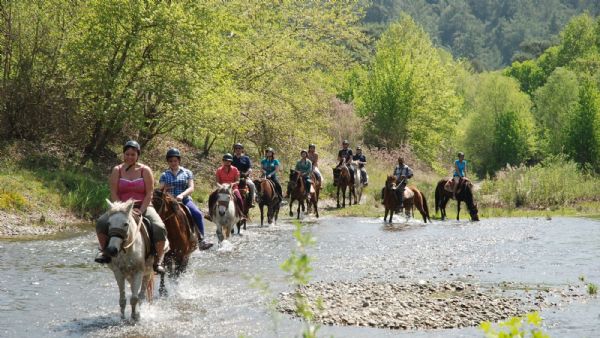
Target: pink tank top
x: 131, y: 189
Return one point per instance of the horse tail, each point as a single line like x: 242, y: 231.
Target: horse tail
x: 425, y: 207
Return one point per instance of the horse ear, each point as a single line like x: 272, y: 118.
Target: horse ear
x: 110, y: 205
x: 219, y: 186
x: 130, y: 205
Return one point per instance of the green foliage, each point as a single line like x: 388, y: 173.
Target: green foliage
x: 592, y: 289
x: 409, y: 97
x: 583, y: 136
x: 500, y: 126
x: 298, y: 266
x: 554, y: 182
x: 12, y: 200
x: 518, y: 327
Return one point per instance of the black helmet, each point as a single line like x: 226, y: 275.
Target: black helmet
x: 228, y: 157
x: 312, y: 145
x: 173, y: 152
x: 132, y: 144
x: 238, y: 145
x: 345, y: 142
x: 460, y: 153
x: 358, y: 148
x: 303, y: 151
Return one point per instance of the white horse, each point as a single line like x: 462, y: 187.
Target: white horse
x: 357, y: 188
x: 223, y: 212
x: 129, y: 248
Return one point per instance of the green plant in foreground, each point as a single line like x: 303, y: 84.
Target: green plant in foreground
x: 582, y: 278
x: 298, y: 266
x: 518, y: 327
x: 592, y: 289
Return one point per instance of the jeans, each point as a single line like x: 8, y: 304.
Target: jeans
x: 196, y: 214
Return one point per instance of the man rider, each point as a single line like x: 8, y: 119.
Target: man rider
x: 242, y: 162
x: 402, y: 173
x: 313, y: 156
x: 304, y: 167
x: 344, y: 157
x: 362, y: 161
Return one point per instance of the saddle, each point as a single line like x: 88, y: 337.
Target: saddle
x: 147, y: 235
x: 191, y: 222
x: 449, y: 185
x: 407, y: 194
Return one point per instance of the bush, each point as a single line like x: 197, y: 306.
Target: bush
x: 10, y: 200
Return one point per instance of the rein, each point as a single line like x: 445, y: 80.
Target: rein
x: 132, y: 240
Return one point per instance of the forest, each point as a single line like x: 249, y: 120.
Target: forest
x: 496, y: 79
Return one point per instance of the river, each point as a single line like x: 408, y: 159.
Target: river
x: 52, y: 287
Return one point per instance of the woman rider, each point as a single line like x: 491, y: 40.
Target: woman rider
x: 460, y: 172
x: 313, y: 156
x: 227, y: 174
x: 304, y: 168
x: 133, y: 180
x: 269, y: 167
x: 181, y: 183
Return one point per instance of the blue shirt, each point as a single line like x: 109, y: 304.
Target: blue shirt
x: 360, y: 158
x: 403, y: 171
x: 243, y: 163
x: 177, y: 183
x: 269, y: 166
x: 461, y: 167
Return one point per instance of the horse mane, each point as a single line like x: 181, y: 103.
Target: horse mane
x: 224, y: 189
x: 120, y: 207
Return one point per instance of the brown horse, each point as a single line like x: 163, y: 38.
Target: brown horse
x: 413, y: 198
x: 297, y: 192
x: 245, y: 192
x: 265, y: 191
x: 464, y: 193
x: 182, y: 233
x: 314, y: 195
x: 343, y: 182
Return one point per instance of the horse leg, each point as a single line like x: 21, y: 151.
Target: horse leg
x: 338, y: 196
x: 315, y: 203
x: 122, y: 299
x: 291, y: 202
x: 442, y: 206
x: 162, y: 289
x: 457, y: 209
x: 220, y: 232
x: 136, y: 286
x: 262, y: 215
x: 298, y: 210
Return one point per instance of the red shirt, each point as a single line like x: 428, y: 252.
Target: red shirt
x: 224, y: 176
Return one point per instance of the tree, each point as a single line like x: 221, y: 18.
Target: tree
x: 583, y: 139
x: 409, y: 96
x: 500, y: 126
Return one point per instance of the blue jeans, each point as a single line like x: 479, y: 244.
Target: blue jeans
x: 196, y: 214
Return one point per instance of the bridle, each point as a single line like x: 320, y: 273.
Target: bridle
x: 128, y: 237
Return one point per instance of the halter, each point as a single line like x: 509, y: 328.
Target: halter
x: 128, y: 237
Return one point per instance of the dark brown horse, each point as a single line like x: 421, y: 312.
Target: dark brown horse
x: 343, y: 180
x: 245, y: 192
x: 464, y: 193
x: 413, y: 198
x: 182, y: 233
x: 297, y: 192
x: 266, y: 195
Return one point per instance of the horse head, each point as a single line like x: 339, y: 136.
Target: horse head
x: 224, y: 198
x: 468, y: 197
x: 390, y: 181
x: 121, y: 225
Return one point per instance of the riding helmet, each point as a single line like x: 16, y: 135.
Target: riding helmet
x: 312, y: 145
x: 358, y: 148
x: 345, y: 142
x: 271, y: 150
x: 303, y: 151
x: 132, y: 144
x: 461, y: 154
x: 173, y: 152
x: 228, y: 157
x: 238, y: 145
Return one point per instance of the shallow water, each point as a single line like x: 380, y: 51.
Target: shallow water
x: 53, y: 288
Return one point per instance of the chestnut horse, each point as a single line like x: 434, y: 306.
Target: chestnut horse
x: 465, y: 193
x: 182, y: 233
x: 297, y: 192
x: 266, y: 195
x: 413, y: 198
x: 343, y: 182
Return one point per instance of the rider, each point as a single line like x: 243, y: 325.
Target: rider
x: 304, y: 167
x: 460, y: 172
x: 269, y: 167
x: 402, y: 173
x: 344, y: 157
x: 227, y: 174
x: 362, y: 161
x: 133, y: 180
x: 181, y: 182
x: 242, y: 162
x: 314, y: 158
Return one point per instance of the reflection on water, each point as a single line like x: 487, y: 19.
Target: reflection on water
x: 53, y: 288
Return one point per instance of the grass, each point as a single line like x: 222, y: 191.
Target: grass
x: 592, y: 289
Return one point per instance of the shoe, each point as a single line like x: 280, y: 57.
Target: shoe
x: 202, y: 245
x: 102, y: 258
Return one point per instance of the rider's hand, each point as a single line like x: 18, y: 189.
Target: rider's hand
x: 179, y: 197
x: 137, y: 211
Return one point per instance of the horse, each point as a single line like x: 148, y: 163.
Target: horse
x: 343, y: 181
x: 243, y: 188
x: 297, y: 192
x: 464, y: 193
x: 223, y: 212
x: 412, y: 198
x: 129, y: 247
x: 182, y: 233
x: 356, y: 188
x: 266, y: 195
x: 314, y: 195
